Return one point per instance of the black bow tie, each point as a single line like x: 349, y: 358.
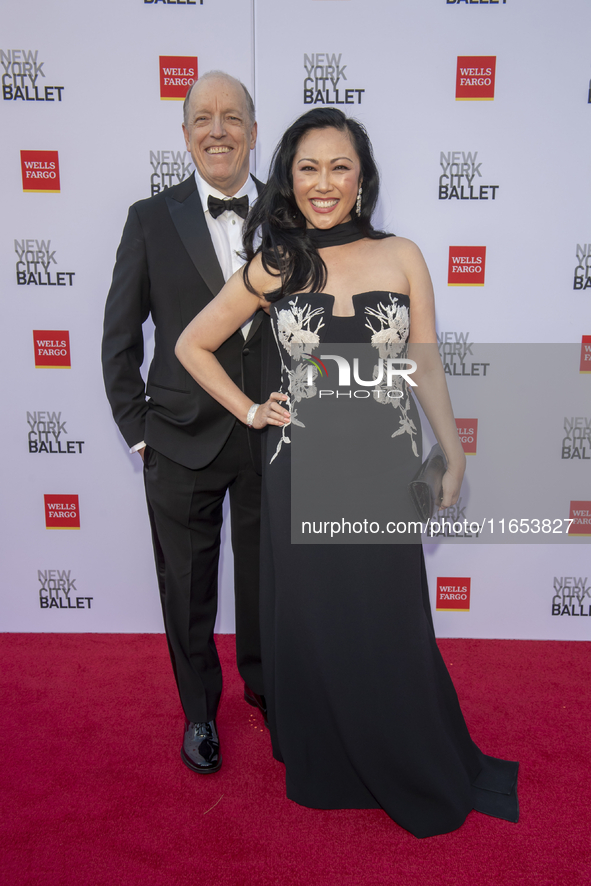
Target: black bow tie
x: 239, y: 205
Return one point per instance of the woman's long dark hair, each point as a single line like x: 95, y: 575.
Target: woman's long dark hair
x: 286, y: 251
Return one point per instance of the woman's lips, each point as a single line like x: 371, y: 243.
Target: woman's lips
x: 323, y: 206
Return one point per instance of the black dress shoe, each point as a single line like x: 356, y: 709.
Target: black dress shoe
x: 201, y: 747
x: 257, y: 701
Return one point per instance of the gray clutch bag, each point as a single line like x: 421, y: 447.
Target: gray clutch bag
x: 426, y: 486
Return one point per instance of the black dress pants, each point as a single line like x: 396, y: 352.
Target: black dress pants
x: 185, y: 508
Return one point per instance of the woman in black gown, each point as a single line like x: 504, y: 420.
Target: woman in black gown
x: 362, y: 710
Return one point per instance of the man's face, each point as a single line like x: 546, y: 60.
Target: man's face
x: 219, y: 133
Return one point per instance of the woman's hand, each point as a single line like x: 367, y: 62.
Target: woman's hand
x: 271, y: 412
x: 451, y: 485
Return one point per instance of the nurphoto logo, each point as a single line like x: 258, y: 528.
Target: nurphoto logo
x: 177, y: 73
x: 475, y: 78
x: 453, y: 594
x: 466, y: 265
x: 386, y: 378
x: 317, y: 363
x: 41, y: 172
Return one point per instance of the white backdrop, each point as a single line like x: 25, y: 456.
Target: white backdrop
x: 395, y: 63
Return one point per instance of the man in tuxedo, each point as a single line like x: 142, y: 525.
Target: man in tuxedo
x: 176, y: 251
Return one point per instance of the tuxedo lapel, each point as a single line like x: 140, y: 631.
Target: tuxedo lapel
x: 258, y: 317
x: 256, y: 322
x: 188, y: 218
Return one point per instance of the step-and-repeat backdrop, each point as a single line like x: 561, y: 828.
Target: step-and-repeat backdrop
x: 480, y: 121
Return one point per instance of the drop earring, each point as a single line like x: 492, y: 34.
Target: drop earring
x: 358, y: 201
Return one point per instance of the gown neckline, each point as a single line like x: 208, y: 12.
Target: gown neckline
x: 353, y: 297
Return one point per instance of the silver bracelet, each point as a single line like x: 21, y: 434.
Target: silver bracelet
x: 251, y: 414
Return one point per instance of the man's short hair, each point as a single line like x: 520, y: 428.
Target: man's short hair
x: 221, y: 75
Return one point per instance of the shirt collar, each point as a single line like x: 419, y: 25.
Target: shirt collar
x: 205, y: 190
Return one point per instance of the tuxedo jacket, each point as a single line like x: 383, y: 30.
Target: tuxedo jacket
x: 166, y: 266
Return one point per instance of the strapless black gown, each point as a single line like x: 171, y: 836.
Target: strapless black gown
x: 362, y: 709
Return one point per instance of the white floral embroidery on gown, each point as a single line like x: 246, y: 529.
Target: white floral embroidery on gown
x: 393, y: 321
x: 296, y: 332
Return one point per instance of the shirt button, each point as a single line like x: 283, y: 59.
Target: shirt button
x: 233, y: 221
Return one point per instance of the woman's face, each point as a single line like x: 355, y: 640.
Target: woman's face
x: 326, y: 173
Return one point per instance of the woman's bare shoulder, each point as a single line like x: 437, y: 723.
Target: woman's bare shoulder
x: 401, y: 246
x: 260, y: 279
x: 406, y: 253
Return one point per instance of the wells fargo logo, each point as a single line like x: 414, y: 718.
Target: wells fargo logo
x: 453, y: 594
x: 580, y: 514
x: 40, y: 171
x: 586, y: 354
x: 468, y: 434
x: 62, y: 512
x: 466, y: 265
x: 52, y: 348
x: 177, y: 73
x: 475, y: 78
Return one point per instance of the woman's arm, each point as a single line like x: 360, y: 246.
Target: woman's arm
x: 209, y: 330
x: 431, y: 390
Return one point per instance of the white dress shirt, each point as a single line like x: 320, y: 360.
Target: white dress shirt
x: 226, y: 235
x: 226, y: 229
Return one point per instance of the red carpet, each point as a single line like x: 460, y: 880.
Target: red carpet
x: 94, y: 791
